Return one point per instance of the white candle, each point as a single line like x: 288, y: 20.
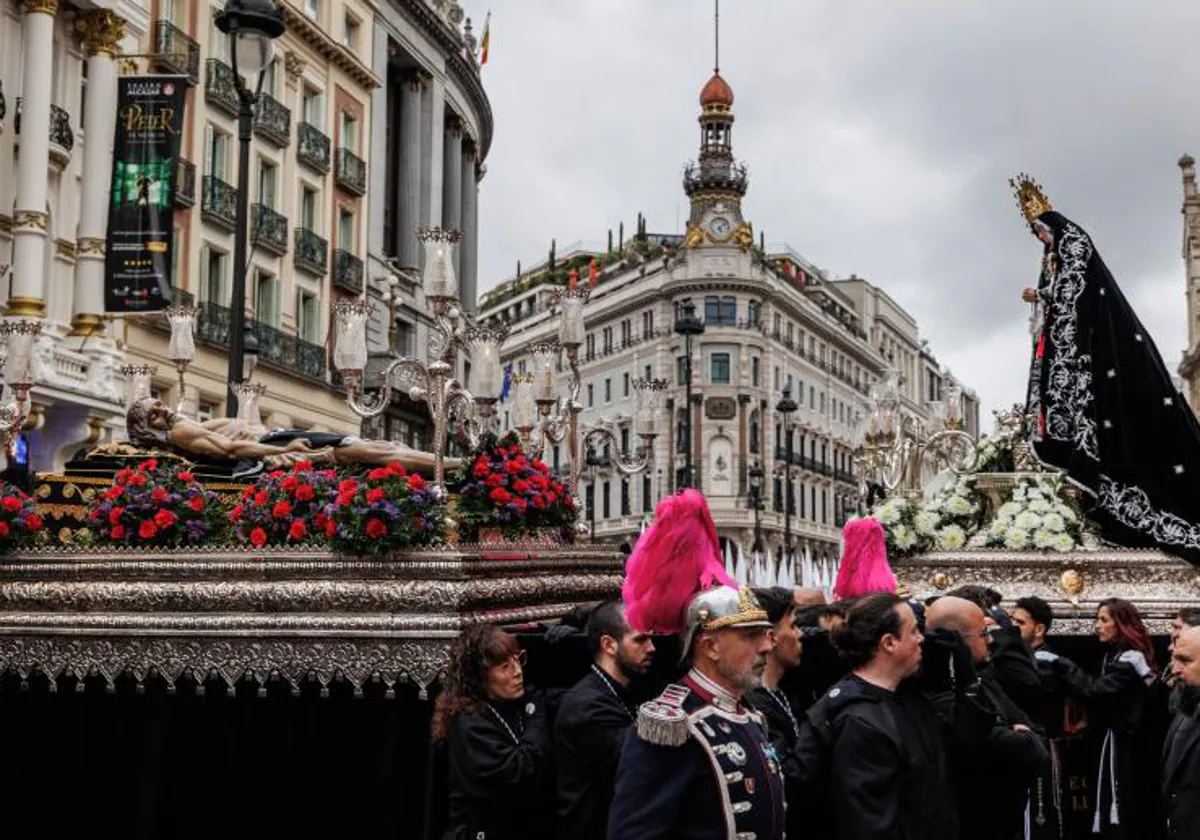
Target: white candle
x: 543, y: 384
x: 485, y: 367
x: 570, y: 332
x: 526, y: 408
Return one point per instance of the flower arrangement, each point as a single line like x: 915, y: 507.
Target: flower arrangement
x: 157, y: 505
x: 1035, y: 517
x: 502, y: 488
x: 945, y: 521
x: 382, y: 510
x: 898, y: 518
x: 995, y: 451
x: 20, y: 523
x: 286, y: 507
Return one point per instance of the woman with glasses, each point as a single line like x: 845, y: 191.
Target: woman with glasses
x: 1120, y: 711
x: 497, y: 741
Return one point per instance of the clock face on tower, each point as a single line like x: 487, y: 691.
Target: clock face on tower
x: 719, y: 226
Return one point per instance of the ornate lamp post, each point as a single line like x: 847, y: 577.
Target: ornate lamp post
x: 787, y: 407
x: 688, y: 325
x: 252, y: 26
x: 756, y: 502
x: 897, y: 448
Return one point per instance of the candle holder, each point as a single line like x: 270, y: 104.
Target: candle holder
x: 483, y: 344
x: 182, y: 347
x: 139, y: 379
x: 19, y: 338
x: 649, y: 393
x: 249, y: 396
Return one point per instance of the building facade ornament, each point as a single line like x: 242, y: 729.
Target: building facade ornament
x: 91, y: 247
x: 31, y: 219
x: 102, y: 31
x: 294, y: 64
x: 43, y: 7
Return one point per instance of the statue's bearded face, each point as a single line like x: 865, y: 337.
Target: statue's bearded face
x: 161, y: 418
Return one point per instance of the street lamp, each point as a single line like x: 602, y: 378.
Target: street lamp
x: 756, y: 501
x: 688, y: 325
x: 787, y: 406
x: 594, y: 462
x: 252, y: 26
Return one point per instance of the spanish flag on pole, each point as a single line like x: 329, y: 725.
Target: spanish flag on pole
x: 487, y: 37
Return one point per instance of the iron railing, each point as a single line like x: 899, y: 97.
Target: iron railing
x: 268, y: 229
x: 219, y: 202
x: 312, y: 252
x: 351, y: 172
x: 312, y: 147
x: 288, y: 352
x: 212, y: 324
x: 175, y: 52
x: 220, y: 86
x: 273, y: 120
x: 61, y: 134
x: 347, y: 272
x: 185, y: 183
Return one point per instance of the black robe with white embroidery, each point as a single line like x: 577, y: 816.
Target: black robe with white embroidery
x: 1104, y: 407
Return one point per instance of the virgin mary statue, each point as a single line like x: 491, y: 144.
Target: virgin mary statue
x: 1101, y: 404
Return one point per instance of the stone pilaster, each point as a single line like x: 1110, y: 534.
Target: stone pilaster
x: 30, y: 220
x: 452, y: 182
x: 469, y: 251
x: 411, y: 151
x: 102, y: 33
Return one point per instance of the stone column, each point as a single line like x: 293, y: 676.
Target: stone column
x: 433, y: 125
x: 409, y: 198
x: 469, y: 252
x: 102, y: 32
x: 452, y: 183
x: 30, y: 220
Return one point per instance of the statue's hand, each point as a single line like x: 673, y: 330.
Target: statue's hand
x: 1029, y: 295
x: 298, y: 445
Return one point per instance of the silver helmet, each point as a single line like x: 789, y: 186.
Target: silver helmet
x: 719, y: 608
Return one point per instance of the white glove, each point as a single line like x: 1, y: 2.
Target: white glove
x: 1137, y: 660
x: 1045, y: 656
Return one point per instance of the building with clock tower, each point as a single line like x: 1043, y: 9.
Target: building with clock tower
x: 773, y: 323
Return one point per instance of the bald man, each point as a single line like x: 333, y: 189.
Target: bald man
x: 1181, y: 753
x: 996, y: 777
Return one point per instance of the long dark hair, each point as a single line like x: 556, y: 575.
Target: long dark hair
x: 1131, y: 630
x: 476, y: 649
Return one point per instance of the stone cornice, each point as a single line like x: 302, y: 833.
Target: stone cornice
x: 311, y: 33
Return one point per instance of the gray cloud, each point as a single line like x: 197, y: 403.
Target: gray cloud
x: 879, y: 137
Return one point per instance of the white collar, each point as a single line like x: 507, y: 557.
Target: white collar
x: 722, y: 699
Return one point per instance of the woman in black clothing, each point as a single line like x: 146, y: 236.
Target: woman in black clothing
x: 1126, y: 802
x: 497, y: 742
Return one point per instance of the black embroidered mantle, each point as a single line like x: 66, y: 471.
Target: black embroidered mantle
x: 1104, y: 407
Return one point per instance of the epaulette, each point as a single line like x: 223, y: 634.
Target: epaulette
x: 662, y: 721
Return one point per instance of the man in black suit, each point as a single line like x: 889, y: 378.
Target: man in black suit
x: 592, y: 720
x: 1181, y: 754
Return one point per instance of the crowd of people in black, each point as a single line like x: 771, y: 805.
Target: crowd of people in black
x: 886, y: 717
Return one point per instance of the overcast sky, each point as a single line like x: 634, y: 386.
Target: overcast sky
x: 879, y: 137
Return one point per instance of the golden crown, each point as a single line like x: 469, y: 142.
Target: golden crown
x: 1030, y: 198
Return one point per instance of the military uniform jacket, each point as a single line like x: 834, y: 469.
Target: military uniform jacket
x: 698, y: 766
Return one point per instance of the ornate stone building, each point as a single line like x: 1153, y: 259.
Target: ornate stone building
x: 773, y: 322
x: 431, y: 134
x: 1189, y: 366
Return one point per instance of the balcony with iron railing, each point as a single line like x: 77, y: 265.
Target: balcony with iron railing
x: 268, y: 229
x: 185, y: 183
x: 220, y: 86
x: 351, y: 172
x: 212, y: 324
x: 288, y: 353
x: 218, y: 204
x: 347, y: 272
x: 175, y: 52
x: 62, y: 138
x: 312, y: 252
x: 273, y: 120
x: 312, y: 147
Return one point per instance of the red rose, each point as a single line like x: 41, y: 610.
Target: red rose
x: 290, y: 483
x: 556, y: 487
x: 569, y: 501
x: 113, y: 493
x: 552, y: 497
x: 348, y: 486
x: 196, y: 503
x: 184, y: 475
x: 415, y: 482
x: 282, y: 510
x: 512, y: 467
x: 539, y: 502
x: 520, y: 503
x: 260, y: 498
x: 495, y: 480
x: 114, y: 515
x: 375, y: 495
x: 319, y: 520
x: 258, y: 538
x: 305, y: 493
x: 330, y: 528
x: 378, y: 474
x: 11, y: 504
x: 481, y: 468
x: 235, y: 515
x: 33, y: 522
x: 117, y: 532
x: 248, y: 493
x: 299, y: 530
x: 397, y: 470
x: 159, y: 495
x: 123, y: 476
x: 275, y: 474
x: 138, y: 480
x: 541, y: 466
x: 302, y: 466
x: 520, y: 486
x: 147, y: 530
x: 165, y: 519
x: 3, y: 530
x: 500, y: 496
x: 147, y: 466
x: 376, y: 528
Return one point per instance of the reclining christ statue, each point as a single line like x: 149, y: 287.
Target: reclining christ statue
x: 1101, y: 405
x: 152, y: 425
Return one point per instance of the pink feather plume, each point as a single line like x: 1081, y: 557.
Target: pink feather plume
x: 677, y: 557
x: 865, y: 568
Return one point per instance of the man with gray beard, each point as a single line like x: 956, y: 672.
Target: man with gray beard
x: 1181, y: 753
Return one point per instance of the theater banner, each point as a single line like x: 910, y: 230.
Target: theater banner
x: 140, y: 238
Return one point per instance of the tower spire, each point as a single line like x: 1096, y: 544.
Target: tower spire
x: 716, y: 36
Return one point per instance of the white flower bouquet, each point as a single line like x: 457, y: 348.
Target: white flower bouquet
x: 1036, y: 518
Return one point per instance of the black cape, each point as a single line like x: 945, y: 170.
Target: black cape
x: 1104, y: 407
